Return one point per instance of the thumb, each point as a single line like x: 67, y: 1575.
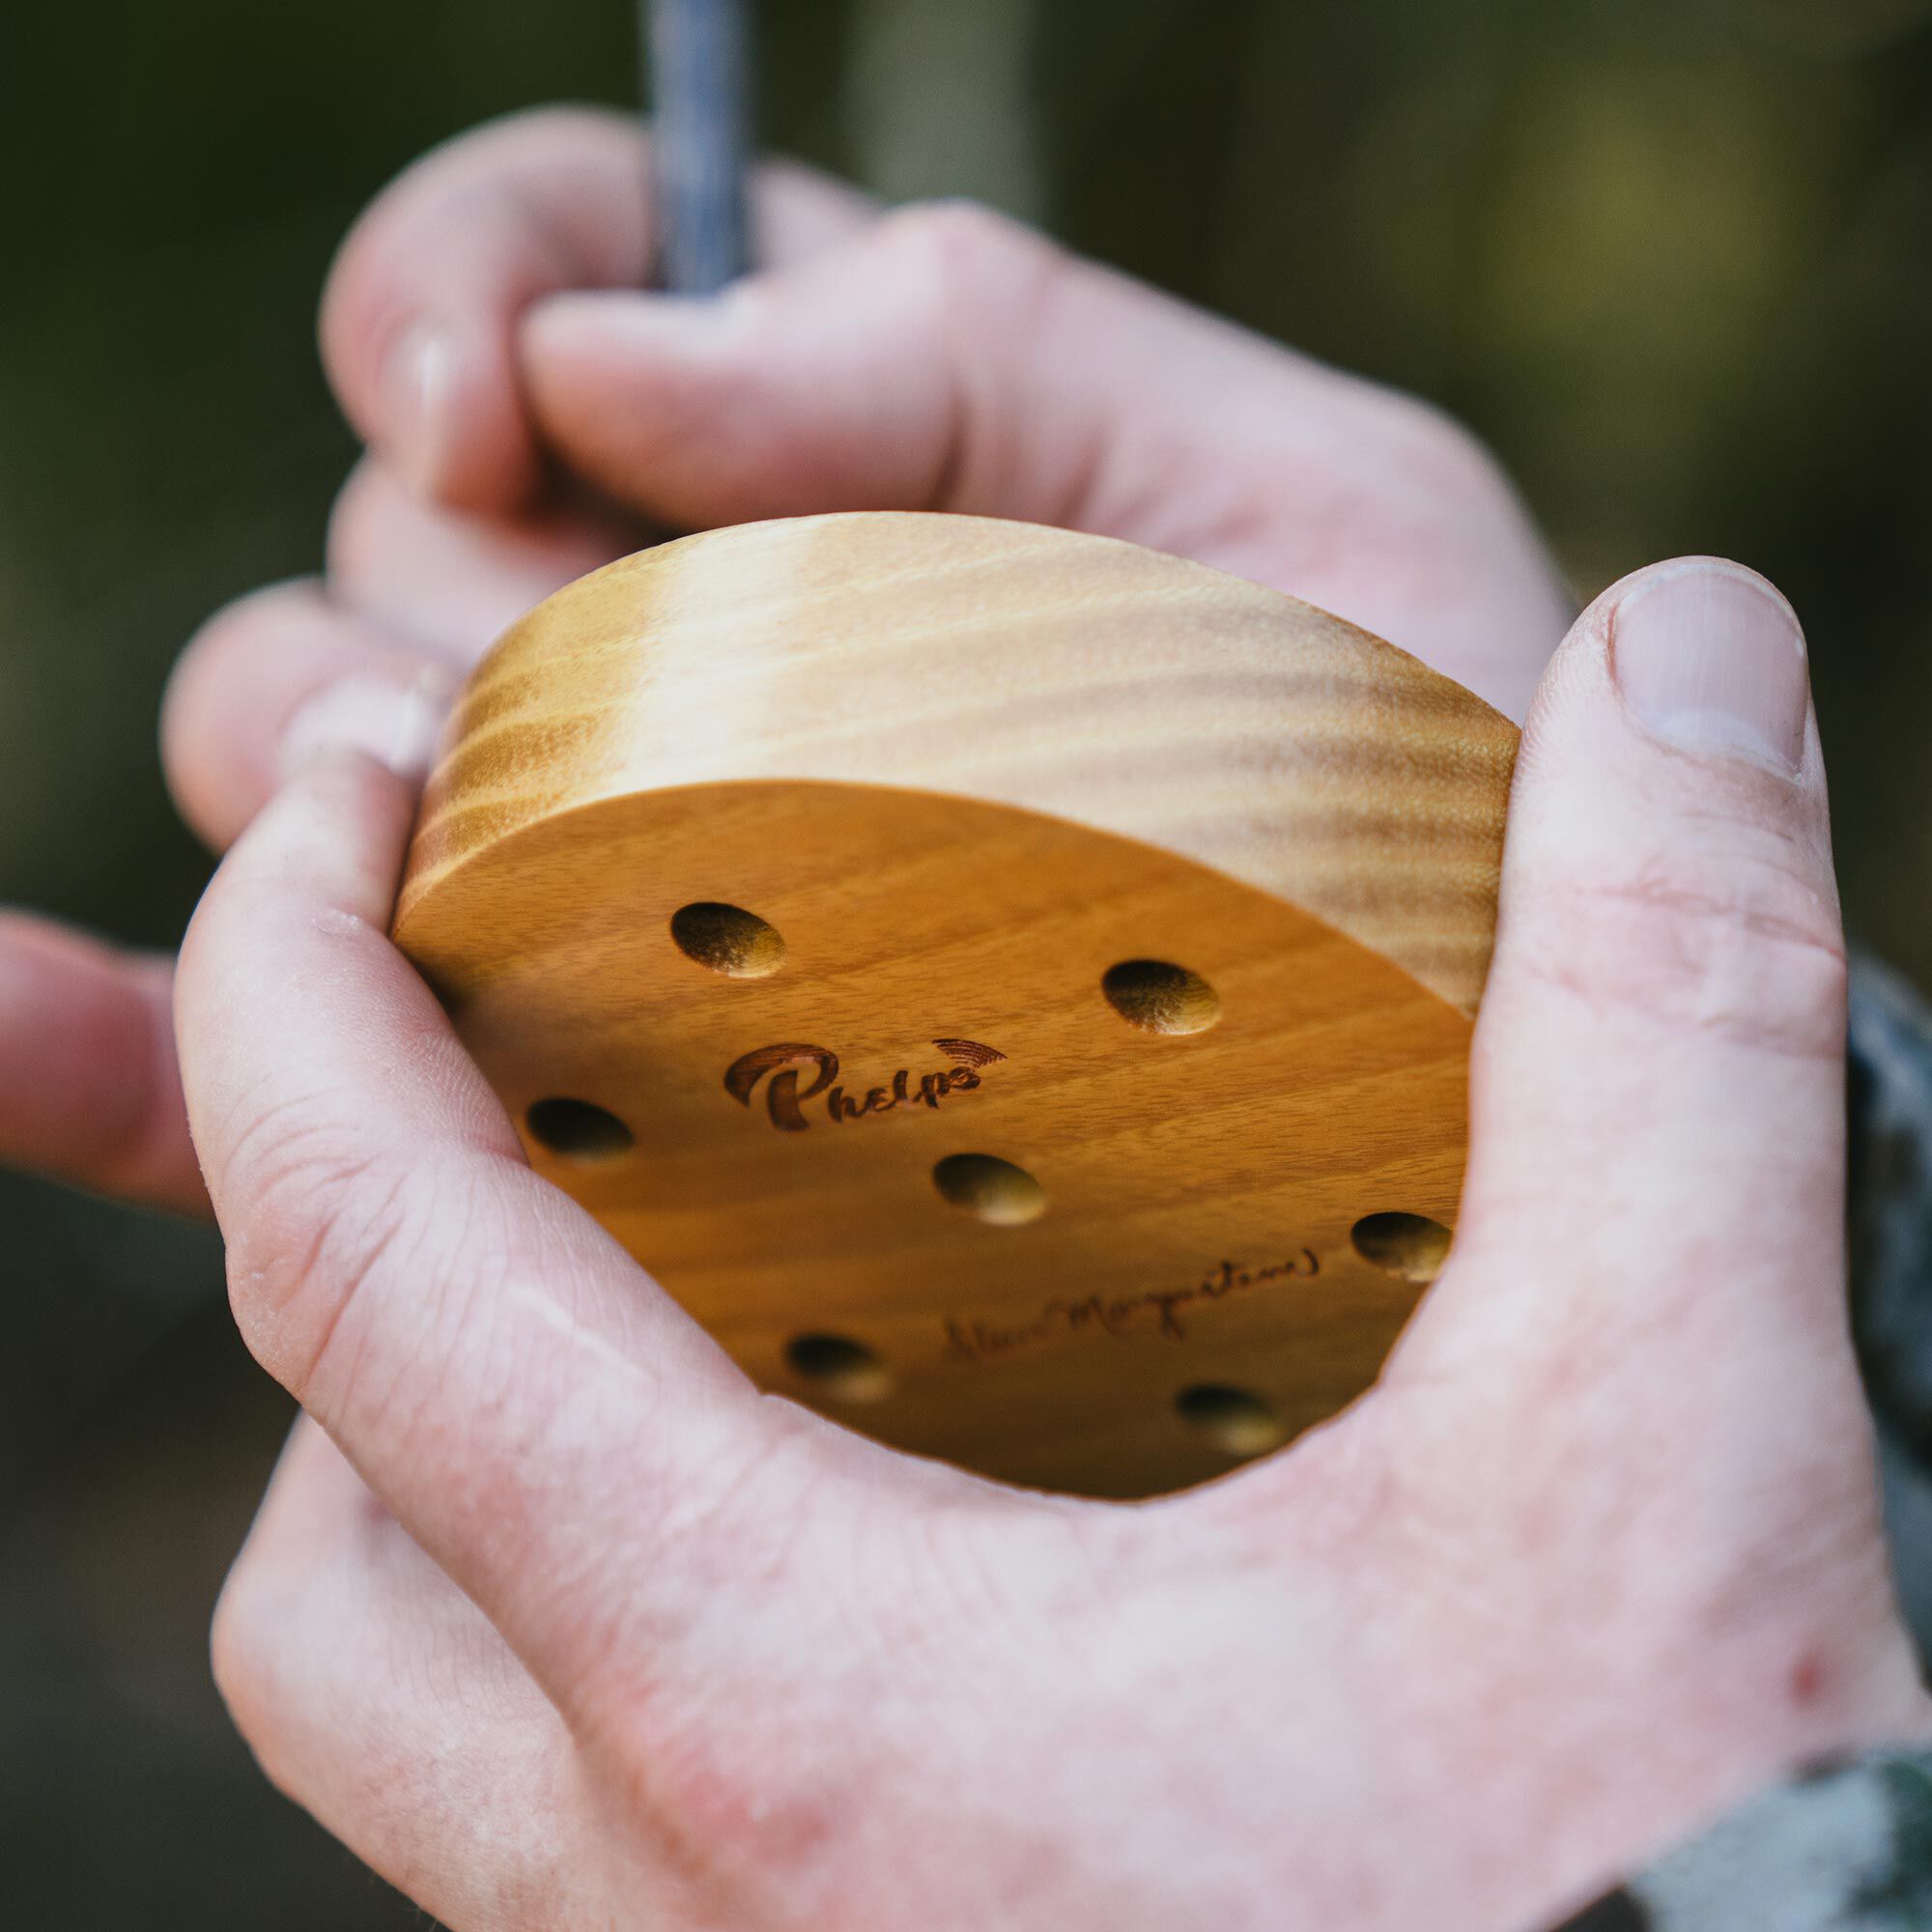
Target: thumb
x: 1657, y: 1077
x: 942, y: 358
x: 851, y: 380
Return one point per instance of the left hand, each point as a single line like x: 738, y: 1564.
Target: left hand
x: 611, y: 1639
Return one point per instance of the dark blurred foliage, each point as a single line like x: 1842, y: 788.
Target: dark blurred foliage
x: 1673, y: 261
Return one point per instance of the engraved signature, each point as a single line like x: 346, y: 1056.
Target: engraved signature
x: 780, y: 1067
x: 978, y: 1340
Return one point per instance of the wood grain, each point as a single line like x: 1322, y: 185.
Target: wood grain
x: 1160, y: 891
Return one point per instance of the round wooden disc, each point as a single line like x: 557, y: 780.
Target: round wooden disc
x: 882, y: 1030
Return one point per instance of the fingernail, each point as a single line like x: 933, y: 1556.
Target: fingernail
x: 397, y: 725
x: 419, y: 384
x: 1710, y: 658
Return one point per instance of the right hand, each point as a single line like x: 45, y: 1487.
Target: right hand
x: 562, y: 1624
x: 531, y: 414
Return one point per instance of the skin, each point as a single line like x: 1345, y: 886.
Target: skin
x: 936, y: 358
x: 559, y: 1623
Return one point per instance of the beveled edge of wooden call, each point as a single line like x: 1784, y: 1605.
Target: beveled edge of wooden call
x: 1073, y: 675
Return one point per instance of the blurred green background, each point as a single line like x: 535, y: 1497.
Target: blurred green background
x: 1672, y: 260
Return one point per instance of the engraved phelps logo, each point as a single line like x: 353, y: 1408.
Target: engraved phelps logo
x: 782, y: 1068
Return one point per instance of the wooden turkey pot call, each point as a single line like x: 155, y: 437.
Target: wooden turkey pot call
x: 1012, y: 987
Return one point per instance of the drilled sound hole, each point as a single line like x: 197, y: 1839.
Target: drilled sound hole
x: 1408, y: 1246
x: 1234, y: 1420
x: 578, y: 1130
x: 1158, y: 997
x: 998, y: 1192
x: 727, y: 939
x: 839, y: 1367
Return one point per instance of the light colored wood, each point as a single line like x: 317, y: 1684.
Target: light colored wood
x: 962, y: 775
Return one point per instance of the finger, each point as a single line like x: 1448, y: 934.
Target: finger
x: 268, y: 661
x: 455, y: 581
x: 1634, y: 1380
x: 945, y: 358
x: 1655, y: 1171
x: 418, y: 317
x: 547, y: 1423
x: 89, y: 1090
x: 415, y: 595
x: 378, y: 1698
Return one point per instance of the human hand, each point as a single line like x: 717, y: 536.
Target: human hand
x: 610, y: 1638
x: 532, y: 414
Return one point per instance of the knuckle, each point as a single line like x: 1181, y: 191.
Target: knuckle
x: 493, y: 160
x: 1742, y: 946
x: 358, y: 316
x: 965, y: 254
x: 240, y: 633
x: 986, y: 292
x: 213, y: 679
